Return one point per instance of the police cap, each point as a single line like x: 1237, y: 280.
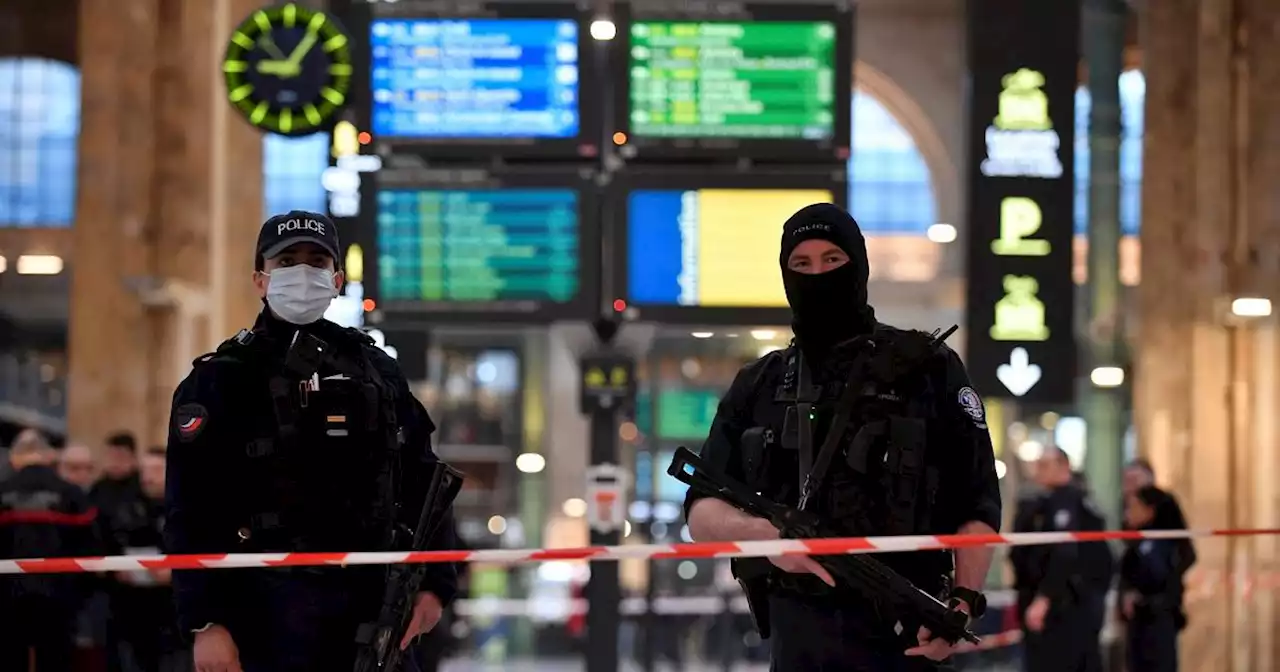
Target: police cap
x: 297, y: 226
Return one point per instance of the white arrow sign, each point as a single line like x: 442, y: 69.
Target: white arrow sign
x: 1019, y: 375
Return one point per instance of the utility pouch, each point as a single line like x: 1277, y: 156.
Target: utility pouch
x: 754, y: 444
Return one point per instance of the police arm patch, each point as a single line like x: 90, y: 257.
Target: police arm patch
x: 971, y: 404
x: 189, y: 420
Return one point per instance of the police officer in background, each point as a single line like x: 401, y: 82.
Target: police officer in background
x: 1061, y: 588
x: 300, y: 436
x: 916, y: 459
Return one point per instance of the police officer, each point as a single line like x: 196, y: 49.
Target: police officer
x: 915, y: 458
x: 1152, y: 572
x: 302, y: 436
x: 41, y: 515
x: 1061, y: 588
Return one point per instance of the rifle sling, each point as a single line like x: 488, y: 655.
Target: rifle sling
x: 811, y: 478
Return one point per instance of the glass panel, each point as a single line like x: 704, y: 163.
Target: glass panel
x: 292, y: 169
x: 39, y: 129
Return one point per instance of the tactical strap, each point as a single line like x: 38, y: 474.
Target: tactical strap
x: 812, y: 478
x: 804, y: 411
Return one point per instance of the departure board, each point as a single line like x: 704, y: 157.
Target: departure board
x: 483, y: 245
x: 709, y: 248
x: 475, y: 78
x: 765, y: 80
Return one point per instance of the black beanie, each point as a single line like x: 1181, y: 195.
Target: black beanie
x: 824, y: 221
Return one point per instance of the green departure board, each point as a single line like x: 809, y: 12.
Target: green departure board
x: 763, y: 80
x: 686, y: 414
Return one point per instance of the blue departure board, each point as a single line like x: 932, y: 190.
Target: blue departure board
x: 475, y: 78
x: 484, y: 245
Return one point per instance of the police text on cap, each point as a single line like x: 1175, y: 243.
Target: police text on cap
x: 297, y: 224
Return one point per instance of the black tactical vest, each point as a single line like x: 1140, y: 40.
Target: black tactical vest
x: 882, y: 481
x: 321, y: 453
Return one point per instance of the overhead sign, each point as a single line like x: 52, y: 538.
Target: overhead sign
x: 1023, y: 60
x: 607, y: 381
x: 606, y: 497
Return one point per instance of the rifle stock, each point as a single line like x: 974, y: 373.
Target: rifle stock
x: 379, y: 641
x: 863, y: 573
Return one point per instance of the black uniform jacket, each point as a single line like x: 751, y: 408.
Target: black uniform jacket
x: 209, y: 429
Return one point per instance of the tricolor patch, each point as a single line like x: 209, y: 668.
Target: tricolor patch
x: 189, y: 420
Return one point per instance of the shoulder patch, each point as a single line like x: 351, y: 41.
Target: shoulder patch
x: 971, y: 404
x: 189, y: 420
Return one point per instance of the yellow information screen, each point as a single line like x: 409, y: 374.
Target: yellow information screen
x: 710, y: 248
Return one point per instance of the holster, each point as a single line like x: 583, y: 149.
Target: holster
x: 753, y: 575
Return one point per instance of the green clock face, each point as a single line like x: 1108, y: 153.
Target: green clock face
x: 288, y: 69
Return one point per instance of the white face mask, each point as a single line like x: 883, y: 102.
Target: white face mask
x: 300, y: 294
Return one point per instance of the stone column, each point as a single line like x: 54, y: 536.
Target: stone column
x: 109, y: 337
x: 1205, y: 383
x: 169, y: 207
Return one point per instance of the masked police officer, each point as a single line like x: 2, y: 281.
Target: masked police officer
x: 301, y: 436
x: 915, y: 459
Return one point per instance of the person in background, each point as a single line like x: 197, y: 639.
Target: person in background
x: 1138, y: 474
x: 1061, y: 588
x: 119, y: 481
x: 122, y: 506
x: 1153, y: 571
x: 41, y: 516
x: 148, y: 639
x: 75, y: 466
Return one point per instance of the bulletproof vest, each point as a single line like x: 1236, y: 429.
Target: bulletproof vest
x: 881, y: 481
x: 321, y: 454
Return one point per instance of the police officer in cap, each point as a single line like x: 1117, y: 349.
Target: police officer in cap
x: 295, y: 436
x: 914, y: 458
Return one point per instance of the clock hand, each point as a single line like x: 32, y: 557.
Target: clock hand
x: 283, y: 69
x: 304, y: 46
x: 269, y: 45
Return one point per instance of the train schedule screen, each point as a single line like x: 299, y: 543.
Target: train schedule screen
x: 475, y: 78
x: 484, y: 245
x: 769, y: 80
x: 709, y: 247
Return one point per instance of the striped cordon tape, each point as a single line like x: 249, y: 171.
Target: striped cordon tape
x: 725, y: 549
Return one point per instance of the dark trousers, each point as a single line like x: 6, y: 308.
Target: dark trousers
x: 814, y: 636
x: 1069, y: 640
x: 1153, y: 642
x: 143, y: 631
x: 36, y: 626
x: 301, y: 623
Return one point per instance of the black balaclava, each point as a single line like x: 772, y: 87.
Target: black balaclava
x: 827, y: 308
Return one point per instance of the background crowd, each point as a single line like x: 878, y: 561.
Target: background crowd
x: 121, y: 622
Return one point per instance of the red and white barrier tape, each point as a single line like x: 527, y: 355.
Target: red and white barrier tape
x: 852, y: 545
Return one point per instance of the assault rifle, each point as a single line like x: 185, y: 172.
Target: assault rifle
x: 379, y: 641
x: 864, y: 574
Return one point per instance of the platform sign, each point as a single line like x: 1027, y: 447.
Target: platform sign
x: 1023, y: 58
x: 607, y: 381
